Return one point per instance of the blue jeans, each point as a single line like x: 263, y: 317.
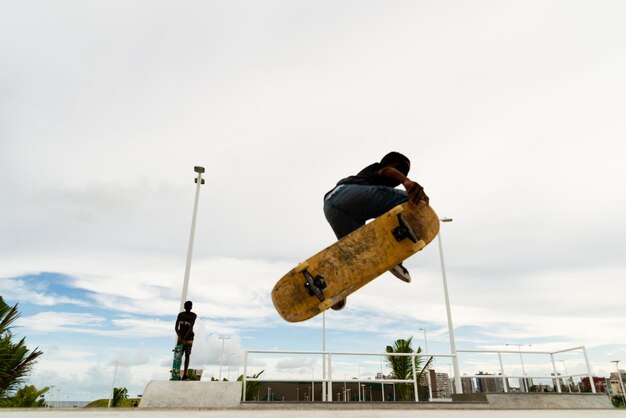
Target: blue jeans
x: 349, y: 206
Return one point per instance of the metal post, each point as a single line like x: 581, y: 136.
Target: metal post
x: 199, y: 180
x: 430, y: 387
x: 417, y: 398
x: 556, y: 374
x: 222, y: 355
x: 245, y: 372
x: 330, y: 377
x: 324, y: 394
x: 591, y: 382
x: 505, y: 380
x: 567, y: 377
x: 455, y: 360
x: 113, y: 383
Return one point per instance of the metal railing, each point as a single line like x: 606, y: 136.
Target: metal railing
x: 327, y: 380
x: 556, y: 376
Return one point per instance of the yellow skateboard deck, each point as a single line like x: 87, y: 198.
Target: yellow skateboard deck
x: 358, y: 258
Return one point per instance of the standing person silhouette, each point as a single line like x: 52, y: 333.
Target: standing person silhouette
x: 184, y: 331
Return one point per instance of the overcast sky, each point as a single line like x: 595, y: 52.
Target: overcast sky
x: 511, y: 112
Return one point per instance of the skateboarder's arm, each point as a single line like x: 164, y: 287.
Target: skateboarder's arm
x: 413, y: 189
x: 176, y: 326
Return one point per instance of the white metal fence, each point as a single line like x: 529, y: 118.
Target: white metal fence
x: 328, y: 380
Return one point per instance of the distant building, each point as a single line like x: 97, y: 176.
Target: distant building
x: 525, y: 384
x: 440, y: 384
x: 467, y: 384
x: 489, y: 384
x: 598, y: 382
x: 614, y: 384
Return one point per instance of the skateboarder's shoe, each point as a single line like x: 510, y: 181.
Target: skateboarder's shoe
x: 401, y: 273
x: 339, y: 305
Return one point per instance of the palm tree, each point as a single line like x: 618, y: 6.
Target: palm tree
x: 252, y: 387
x: 119, y: 395
x: 15, y: 359
x: 402, y: 366
x: 30, y: 397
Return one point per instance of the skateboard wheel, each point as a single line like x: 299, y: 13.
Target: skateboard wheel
x: 301, y: 267
x: 396, y: 210
x: 339, y: 305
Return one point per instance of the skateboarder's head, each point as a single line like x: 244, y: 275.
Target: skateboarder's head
x: 397, y: 161
x: 188, y: 305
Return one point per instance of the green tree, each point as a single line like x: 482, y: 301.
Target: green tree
x: 119, y: 394
x: 26, y: 397
x: 16, y: 361
x: 402, y: 366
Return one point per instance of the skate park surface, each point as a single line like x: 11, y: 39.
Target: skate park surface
x: 308, y: 413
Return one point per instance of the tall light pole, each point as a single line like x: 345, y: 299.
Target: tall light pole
x: 324, y: 394
x: 619, y: 377
x: 113, y: 384
x: 199, y: 180
x: 222, y: 355
x: 430, y: 391
x: 425, y: 340
x: 455, y: 359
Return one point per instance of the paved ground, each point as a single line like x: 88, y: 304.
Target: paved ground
x: 160, y: 413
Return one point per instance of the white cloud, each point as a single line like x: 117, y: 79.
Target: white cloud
x: 61, y: 321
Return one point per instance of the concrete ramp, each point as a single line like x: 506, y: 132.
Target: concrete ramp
x: 191, y: 394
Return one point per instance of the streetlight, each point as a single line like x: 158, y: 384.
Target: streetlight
x: 230, y: 362
x: 113, y: 384
x: 430, y: 392
x: 425, y: 340
x: 199, y: 180
x: 324, y: 398
x: 222, y: 355
x: 519, y: 347
x: 455, y: 360
x: 569, y: 387
x: 619, y: 377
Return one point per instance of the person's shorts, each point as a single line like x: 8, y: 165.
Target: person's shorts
x: 187, y: 346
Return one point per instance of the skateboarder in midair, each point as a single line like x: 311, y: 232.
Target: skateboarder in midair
x: 369, y: 194
x: 184, y: 331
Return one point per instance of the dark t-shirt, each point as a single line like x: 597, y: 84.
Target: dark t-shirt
x: 368, y: 177
x: 185, y: 323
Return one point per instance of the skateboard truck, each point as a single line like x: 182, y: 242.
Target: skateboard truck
x: 403, y: 230
x: 314, y: 285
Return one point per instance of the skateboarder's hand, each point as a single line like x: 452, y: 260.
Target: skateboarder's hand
x: 415, y: 192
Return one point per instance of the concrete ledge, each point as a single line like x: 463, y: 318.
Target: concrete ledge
x: 549, y: 401
x: 470, y: 398
x: 188, y: 394
x: 489, y: 401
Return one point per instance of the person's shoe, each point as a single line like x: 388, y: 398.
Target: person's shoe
x: 339, y: 305
x: 401, y: 273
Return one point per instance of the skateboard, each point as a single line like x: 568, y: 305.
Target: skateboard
x: 178, y: 355
x: 327, y: 278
